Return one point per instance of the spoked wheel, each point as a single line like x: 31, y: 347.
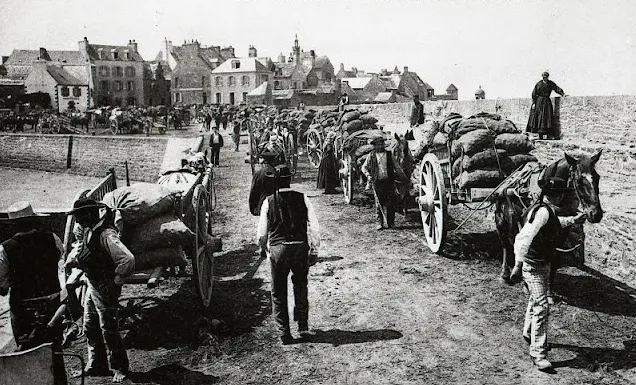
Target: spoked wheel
x: 346, y: 177
x: 203, y: 260
x: 291, y: 156
x: 253, y: 151
x: 114, y: 127
x: 314, y: 147
x: 432, y: 202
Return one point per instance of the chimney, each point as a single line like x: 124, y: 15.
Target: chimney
x: 132, y: 44
x: 375, y: 76
x: 83, y: 48
x: 406, y: 69
x: 281, y: 58
x: 252, y: 52
x: 43, y: 54
x: 342, y: 67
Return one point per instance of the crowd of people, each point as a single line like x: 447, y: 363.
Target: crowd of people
x: 287, y: 232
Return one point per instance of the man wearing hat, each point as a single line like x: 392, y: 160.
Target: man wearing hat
x: 380, y: 168
x: 535, y: 248
x: 106, y: 262
x: 289, y: 229
x: 262, y: 186
x: 29, y: 266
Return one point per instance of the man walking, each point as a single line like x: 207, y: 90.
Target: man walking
x: 289, y: 229
x: 29, y: 266
x: 381, y: 168
x: 208, y: 120
x: 216, y: 142
x: 106, y: 262
x: 535, y: 248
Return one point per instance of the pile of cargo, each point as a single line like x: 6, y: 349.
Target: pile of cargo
x: 144, y: 215
x: 485, y: 148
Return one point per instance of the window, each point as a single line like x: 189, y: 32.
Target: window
x: 236, y: 64
x: 245, y: 97
x: 276, y: 85
x: 104, y: 85
x: 115, y: 55
x: 202, y: 81
x: 130, y: 71
x: 127, y: 54
x: 176, y: 82
x: 118, y: 71
x: 104, y: 71
x: 205, y: 98
x: 232, y: 98
x: 245, y: 80
x: 327, y: 77
x: 430, y: 93
x: 118, y: 86
x: 77, y: 92
x: 218, y: 81
x: 230, y: 81
x: 130, y: 86
x: 218, y: 98
x: 264, y: 78
x: 65, y: 91
x: 131, y: 101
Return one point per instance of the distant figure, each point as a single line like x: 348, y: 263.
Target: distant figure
x: 480, y: 94
x: 417, y: 112
x: 236, y: 134
x: 328, y: 169
x: 217, y: 117
x: 208, y: 120
x: 541, y: 112
x: 216, y: 142
x: 344, y: 100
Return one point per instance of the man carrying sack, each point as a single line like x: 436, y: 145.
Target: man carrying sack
x: 535, y: 248
x: 289, y: 229
x: 106, y: 262
x: 380, y: 168
x: 29, y: 266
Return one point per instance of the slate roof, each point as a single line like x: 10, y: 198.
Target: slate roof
x: 62, y: 77
x: 383, y: 97
x: 286, y: 68
x: 109, y: 50
x: 451, y: 87
x: 248, y: 64
x: 27, y: 57
x: 357, y: 83
x: 260, y: 90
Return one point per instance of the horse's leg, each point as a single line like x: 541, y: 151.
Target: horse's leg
x: 503, y: 231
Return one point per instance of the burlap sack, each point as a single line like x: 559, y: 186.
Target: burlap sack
x: 503, y: 127
x: 480, y: 179
x: 353, y: 126
x: 469, y: 125
x: 140, y: 202
x: 457, y: 167
x: 363, y: 150
x: 522, y: 159
x: 476, y: 141
x: 368, y: 119
x: 514, y: 143
x: 440, y: 139
x: 484, y: 160
x: 160, y: 232
x: 350, y: 116
x: 171, y: 256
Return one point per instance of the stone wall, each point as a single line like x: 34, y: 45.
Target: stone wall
x: 90, y: 155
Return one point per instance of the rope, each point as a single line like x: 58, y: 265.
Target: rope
x: 478, y: 208
x: 493, y: 146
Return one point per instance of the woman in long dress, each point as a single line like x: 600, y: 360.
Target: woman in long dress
x: 328, y: 169
x: 541, y: 114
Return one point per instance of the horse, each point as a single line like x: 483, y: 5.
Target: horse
x: 404, y: 158
x: 582, y: 194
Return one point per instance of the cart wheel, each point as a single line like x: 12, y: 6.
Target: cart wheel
x: 346, y: 178
x: 203, y: 274
x: 314, y: 147
x: 291, y: 155
x: 432, y: 202
x: 55, y: 126
x: 114, y: 127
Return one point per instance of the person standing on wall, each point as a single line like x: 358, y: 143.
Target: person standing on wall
x: 417, y: 116
x: 30, y: 266
x: 216, y: 142
x: 288, y: 228
x: 541, y: 112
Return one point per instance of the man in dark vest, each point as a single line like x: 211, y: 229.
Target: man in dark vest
x: 535, y: 248
x: 106, y: 262
x: 288, y: 228
x: 381, y: 169
x: 30, y: 266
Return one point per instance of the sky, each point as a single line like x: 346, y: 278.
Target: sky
x: 588, y: 46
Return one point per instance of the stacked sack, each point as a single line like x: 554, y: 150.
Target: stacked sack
x: 486, y: 149
x: 148, y: 226
x: 354, y: 120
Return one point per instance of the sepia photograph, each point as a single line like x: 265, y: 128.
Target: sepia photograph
x: 372, y: 192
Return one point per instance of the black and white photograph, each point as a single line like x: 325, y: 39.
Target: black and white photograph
x: 372, y: 192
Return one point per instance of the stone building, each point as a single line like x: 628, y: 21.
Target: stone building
x: 116, y: 75
x: 66, y: 90
x: 157, y: 77
x: 192, y: 67
x: 19, y: 64
x: 233, y: 80
x: 302, y: 70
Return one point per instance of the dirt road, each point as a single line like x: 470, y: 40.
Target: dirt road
x: 384, y: 309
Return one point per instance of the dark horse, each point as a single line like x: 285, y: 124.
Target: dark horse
x: 582, y: 194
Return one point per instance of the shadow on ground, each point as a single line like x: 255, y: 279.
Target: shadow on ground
x: 343, y: 337
x: 173, y: 374
x: 597, y: 359
x: 472, y: 246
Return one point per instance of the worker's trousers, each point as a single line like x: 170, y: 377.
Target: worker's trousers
x: 535, y: 326
x: 101, y: 326
x: 384, y: 202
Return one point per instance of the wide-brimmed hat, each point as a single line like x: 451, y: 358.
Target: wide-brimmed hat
x: 282, y: 171
x: 84, y: 204
x: 22, y: 209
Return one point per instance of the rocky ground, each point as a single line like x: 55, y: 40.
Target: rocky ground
x: 383, y: 308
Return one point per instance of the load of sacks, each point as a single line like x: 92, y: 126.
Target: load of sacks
x: 149, y: 228
x: 485, y: 148
x: 347, y: 122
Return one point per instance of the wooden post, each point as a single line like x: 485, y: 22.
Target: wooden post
x: 556, y: 118
x: 127, y: 174
x: 69, y: 154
